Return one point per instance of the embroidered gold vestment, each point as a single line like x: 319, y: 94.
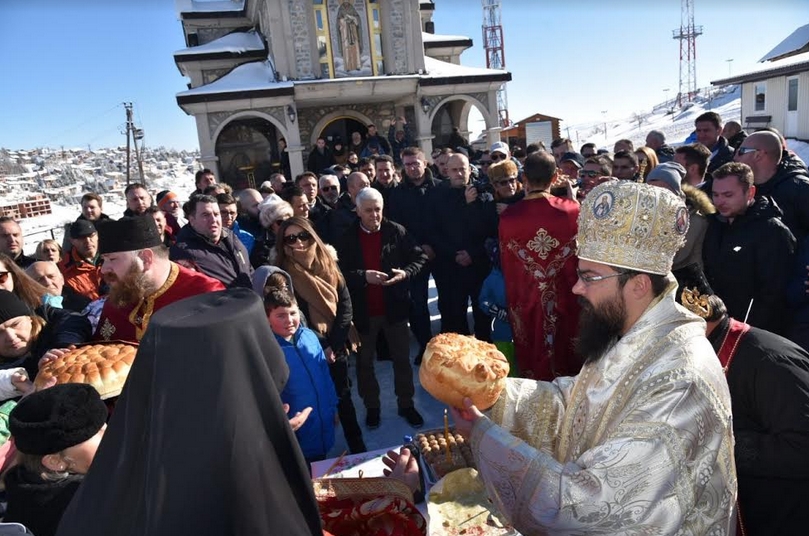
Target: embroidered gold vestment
x: 640, y: 442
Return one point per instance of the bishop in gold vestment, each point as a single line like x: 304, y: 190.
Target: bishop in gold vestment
x: 640, y: 441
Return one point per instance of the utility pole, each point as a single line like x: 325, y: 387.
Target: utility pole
x: 132, y: 136
x: 128, y: 108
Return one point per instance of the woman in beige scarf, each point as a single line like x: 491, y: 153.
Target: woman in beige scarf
x: 323, y: 298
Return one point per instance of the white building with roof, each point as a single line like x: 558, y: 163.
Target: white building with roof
x: 776, y: 92
x: 263, y: 71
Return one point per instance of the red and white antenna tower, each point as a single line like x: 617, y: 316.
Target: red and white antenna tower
x: 495, y: 52
x: 687, y: 35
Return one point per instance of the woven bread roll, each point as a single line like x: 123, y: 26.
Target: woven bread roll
x: 104, y: 366
x: 456, y: 366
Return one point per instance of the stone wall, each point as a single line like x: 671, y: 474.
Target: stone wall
x: 308, y: 118
x: 396, y: 59
x: 299, y: 18
x: 206, y: 35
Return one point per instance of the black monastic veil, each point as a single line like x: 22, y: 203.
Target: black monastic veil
x: 199, y: 442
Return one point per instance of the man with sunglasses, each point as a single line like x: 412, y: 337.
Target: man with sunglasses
x: 597, y: 169
x: 499, y: 151
x: 640, y: 441
x: 12, y: 242
x: 778, y: 178
x: 329, y: 190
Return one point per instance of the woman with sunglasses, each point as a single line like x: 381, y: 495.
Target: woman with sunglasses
x: 323, y: 298
x: 503, y: 176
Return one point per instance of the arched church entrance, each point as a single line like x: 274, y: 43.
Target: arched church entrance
x: 338, y: 135
x: 249, y: 151
x: 455, y: 113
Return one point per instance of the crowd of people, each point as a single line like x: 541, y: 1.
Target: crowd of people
x: 571, y: 262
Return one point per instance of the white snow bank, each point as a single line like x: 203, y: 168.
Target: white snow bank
x: 237, y: 43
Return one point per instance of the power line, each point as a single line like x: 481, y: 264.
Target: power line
x: 86, y: 121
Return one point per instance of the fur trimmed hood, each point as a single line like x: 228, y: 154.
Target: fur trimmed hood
x: 698, y: 200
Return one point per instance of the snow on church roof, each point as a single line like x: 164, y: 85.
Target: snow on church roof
x: 237, y: 43
x: 436, y: 38
x: 187, y: 6
x: 442, y: 69
x: 247, y: 77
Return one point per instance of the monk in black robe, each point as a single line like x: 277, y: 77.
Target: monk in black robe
x: 199, y: 442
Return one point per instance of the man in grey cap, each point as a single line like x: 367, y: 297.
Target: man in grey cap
x: 81, y: 266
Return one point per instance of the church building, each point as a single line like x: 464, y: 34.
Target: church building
x: 269, y: 77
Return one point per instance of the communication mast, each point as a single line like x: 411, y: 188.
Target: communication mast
x: 495, y: 52
x: 687, y: 35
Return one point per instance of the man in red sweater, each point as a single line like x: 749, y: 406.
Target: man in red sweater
x: 378, y: 257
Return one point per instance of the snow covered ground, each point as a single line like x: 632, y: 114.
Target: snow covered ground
x: 51, y: 226
x: 676, y: 125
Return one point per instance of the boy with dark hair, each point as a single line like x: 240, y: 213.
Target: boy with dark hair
x: 310, y: 385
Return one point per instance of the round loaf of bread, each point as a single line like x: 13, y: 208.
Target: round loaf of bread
x: 104, y: 366
x: 456, y: 366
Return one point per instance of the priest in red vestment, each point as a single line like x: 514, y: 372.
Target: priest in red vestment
x: 142, y: 279
x: 538, y: 258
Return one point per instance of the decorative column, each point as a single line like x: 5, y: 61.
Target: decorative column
x: 423, y: 134
x: 294, y: 146
x: 207, y: 145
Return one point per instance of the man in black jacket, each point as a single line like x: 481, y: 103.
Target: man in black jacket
x: 205, y: 246
x: 768, y: 378
x: 463, y: 218
x: 708, y: 127
x: 333, y: 225
x: 778, y: 177
x: 377, y: 257
x: 408, y: 205
x: 320, y: 158
x: 748, y: 251
x: 12, y: 242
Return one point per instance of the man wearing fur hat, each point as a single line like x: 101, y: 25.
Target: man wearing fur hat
x: 142, y: 279
x: 640, y: 441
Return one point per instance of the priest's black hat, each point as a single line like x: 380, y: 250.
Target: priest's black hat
x: 11, y: 306
x: 54, y: 419
x: 127, y: 234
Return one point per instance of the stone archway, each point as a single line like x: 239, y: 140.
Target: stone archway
x: 453, y: 111
x: 324, y: 122
x: 248, y: 149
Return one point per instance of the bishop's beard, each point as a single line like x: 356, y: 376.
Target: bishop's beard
x: 130, y: 289
x: 599, y: 328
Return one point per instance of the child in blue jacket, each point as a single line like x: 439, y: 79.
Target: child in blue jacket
x: 492, y: 301
x: 310, y: 384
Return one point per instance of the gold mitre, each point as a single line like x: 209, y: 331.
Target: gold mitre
x: 697, y: 303
x: 632, y: 226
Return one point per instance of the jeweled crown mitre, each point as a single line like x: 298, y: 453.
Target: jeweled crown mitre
x: 632, y: 226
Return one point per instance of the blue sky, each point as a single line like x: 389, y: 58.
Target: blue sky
x: 69, y: 64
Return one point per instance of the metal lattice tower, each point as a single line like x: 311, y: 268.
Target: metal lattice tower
x: 687, y: 35
x: 495, y: 49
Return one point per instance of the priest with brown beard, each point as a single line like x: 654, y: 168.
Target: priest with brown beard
x: 141, y: 277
